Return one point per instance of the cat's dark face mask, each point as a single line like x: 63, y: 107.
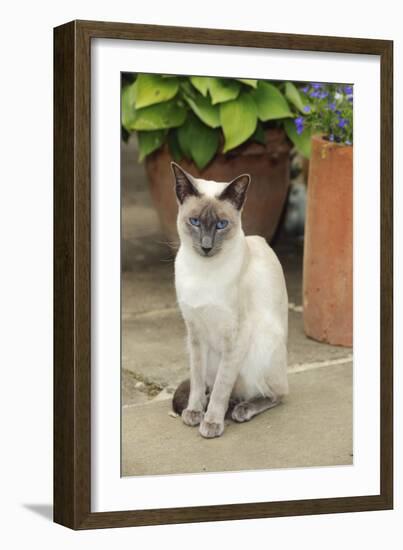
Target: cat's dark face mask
x: 208, y: 221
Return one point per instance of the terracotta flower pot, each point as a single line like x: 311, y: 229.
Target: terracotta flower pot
x: 268, y: 166
x: 328, y: 248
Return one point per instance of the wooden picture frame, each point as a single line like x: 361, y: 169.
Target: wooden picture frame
x: 72, y: 271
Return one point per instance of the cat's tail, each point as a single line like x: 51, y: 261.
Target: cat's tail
x: 181, y: 397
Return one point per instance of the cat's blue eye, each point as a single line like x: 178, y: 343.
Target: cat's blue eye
x: 221, y: 224
x: 194, y: 221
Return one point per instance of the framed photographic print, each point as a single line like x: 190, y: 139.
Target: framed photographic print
x: 223, y: 275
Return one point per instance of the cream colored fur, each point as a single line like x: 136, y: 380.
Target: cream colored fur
x: 235, y: 307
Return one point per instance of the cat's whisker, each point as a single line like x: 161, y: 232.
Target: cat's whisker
x: 169, y: 243
x: 174, y: 245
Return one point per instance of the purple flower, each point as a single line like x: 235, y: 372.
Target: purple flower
x: 316, y: 85
x: 305, y: 89
x: 322, y: 95
x: 350, y: 99
x: 343, y: 122
x: 315, y: 93
x: 299, y: 124
x: 348, y: 90
x: 332, y: 106
x: 307, y: 109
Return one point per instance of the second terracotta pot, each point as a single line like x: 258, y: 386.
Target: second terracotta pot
x: 328, y: 247
x: 269, y: 169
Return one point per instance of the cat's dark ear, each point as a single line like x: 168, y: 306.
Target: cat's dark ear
x: 235, y: 192
x: 183, y: 183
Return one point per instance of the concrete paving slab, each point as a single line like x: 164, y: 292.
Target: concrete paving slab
x: 312, y: 428
x: 148, y: 290
x: 154, y: 348
x: 133, y: 393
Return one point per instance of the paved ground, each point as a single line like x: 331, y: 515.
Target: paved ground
x: 312, y: 428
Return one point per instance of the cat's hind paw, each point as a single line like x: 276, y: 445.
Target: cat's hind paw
x: 211, y: 429
x: 241, y: 412
x: 192, y: 418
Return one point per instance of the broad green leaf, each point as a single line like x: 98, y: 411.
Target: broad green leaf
x: 238, y: 119
x: 128, y: 108
x: 208, y: 113
x: 169, y: 114
x: 205, y: 146
x: 198, y: 141
x: 270, y: 102
x: 174, y: 146
x: 293, y: 96
x: 248, y: 82
x: 223, y: 89
x: 200, y: 83
x: 301, y: 141
x: 153, y: 88
x: 258, y: 135
x: 149, y: 142
x: 184, y: 134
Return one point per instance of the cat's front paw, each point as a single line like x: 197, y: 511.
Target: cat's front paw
x: 192, y: 418
x: 211, y: 429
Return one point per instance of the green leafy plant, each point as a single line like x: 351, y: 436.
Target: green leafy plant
x: 198, y: 116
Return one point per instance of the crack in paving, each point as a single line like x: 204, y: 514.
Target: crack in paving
x: 302, y: 367
x: 143, y: 384
x: 127, y: 316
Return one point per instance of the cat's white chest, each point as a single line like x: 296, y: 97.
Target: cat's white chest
x: 204, y: 284
x: 208, y: 301
x: 197, y: 292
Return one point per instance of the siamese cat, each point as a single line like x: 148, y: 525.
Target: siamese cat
x: 232, y: 295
